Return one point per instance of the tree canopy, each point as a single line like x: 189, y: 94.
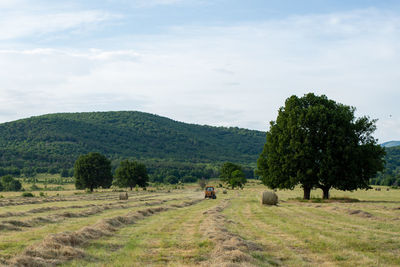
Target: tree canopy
x: 92, y: 171
x: 232, y: 174
x: 8, y: 183
x: 238, y: 179
x: 318, y: 143
x: 130, y: 174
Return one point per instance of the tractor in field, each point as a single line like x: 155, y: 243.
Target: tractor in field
x: 210, y: 192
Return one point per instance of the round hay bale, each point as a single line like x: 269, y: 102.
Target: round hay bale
x: 123, y: 196
x: 269, y: 198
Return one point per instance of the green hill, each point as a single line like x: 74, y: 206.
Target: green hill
x: 54, y: 141
x: 391, y: 174
x: 391, y: 144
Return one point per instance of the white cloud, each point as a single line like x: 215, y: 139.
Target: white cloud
x: 155, y: 3
x: 232, y: 76
x: 30, y: 24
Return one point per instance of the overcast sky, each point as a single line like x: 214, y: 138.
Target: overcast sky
x: 216, y: 62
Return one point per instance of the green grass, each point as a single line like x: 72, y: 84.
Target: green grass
x: 359, y: 228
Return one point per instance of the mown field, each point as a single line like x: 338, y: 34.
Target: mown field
x: 180, y: 228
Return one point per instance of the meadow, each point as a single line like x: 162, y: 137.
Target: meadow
x: 177, y: 227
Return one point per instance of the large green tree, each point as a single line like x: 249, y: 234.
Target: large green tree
x: 130, y: 174
x: 92, y: 171
x: 319, y: 143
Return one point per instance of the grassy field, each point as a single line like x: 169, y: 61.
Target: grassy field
x: 180, y: 228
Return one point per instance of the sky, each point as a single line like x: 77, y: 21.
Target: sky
x: 214, y: 62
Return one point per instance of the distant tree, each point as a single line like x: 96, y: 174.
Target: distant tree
x: 238, y: 179
x: 318, y: 143
x: 28, y: 172
x: 64, y: 173
x: 226, y: 171
x: 92, y: 171
x: 1, y: 186
x: 202, y: 183
x: 232, y: 174
x: 10, y: 184
x: 131, y: 173
x: 171, y: 179
x: 189, y: 179
x: 53, y: 170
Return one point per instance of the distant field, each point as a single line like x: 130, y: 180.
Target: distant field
x: 180, y: 228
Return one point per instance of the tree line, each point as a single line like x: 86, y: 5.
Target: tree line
x: 93, y: 170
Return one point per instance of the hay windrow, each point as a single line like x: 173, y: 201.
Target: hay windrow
x: 58, y: 248
x: 17, y: 225
x: 360, y: 213
x: 230, y: 249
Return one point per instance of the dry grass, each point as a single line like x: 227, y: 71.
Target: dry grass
x: 57, y: 248
x: 181, y: 229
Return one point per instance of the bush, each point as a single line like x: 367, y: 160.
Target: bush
x: 34, y: 187
x: 202, y: 183
x: 10, y: 184
x: 171, y: 179
x: 269, y: 198
x: 27, y: 194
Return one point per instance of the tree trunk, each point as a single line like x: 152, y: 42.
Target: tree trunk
x: 325, y: 192
x: 91, y: 188
x: 307, y: 192
x: 131, y: 187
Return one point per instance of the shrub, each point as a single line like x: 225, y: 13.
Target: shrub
x: 27, y: 194
x: 224, y: 192
x: 269, y: 198
x: 34, y: 187
x: 202, y: 183
x: 10, y: 184
x: 171, y: 179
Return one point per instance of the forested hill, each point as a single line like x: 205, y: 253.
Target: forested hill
x: 391, y: 174
x: 391, y: 144
x: 56, y: 140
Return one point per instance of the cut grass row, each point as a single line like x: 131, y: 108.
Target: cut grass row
x: 300, y: 235
x: 171, y: 238
x: 12, y: 243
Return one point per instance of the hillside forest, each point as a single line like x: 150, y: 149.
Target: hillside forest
x: 172, y: 151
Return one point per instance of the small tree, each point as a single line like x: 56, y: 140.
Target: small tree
x: 171, y: 179
x: 92, y: 171
x: 237, y: 179
x: 10, y: 184
x: 131, y: 174
x: 202, y: 183
x: 232, y: 174
x: 64, y: 173
x: 226, y: 171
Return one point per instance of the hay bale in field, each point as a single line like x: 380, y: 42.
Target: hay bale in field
x: 224, y: 192
x: 123, y: 196
x: 269, y: 198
